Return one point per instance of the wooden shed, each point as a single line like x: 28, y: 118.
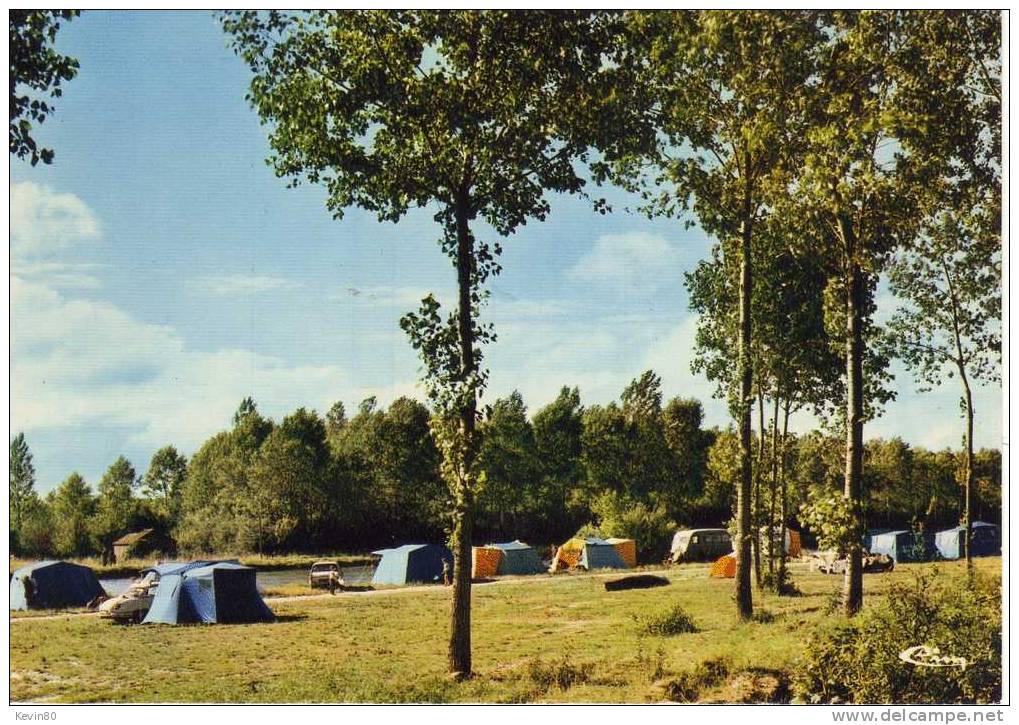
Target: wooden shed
x: 140, y: 543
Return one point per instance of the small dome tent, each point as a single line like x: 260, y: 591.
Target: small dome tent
x: 223, y: 592
x: 951, y: 543
x: 724, y: 567
x: 412, y: 563
x: 513, y: 557
x: 54, y: 585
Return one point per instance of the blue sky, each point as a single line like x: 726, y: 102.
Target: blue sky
x: 160, y: 272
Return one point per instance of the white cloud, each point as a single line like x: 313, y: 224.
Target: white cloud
x: 243, y: 284
x: 629, y: 262
x: 61, y: 275
x: 671, y: 357
x: 45, y: 221
x: 81, y: 362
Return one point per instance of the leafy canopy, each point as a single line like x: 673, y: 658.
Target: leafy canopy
x: 37, y: 71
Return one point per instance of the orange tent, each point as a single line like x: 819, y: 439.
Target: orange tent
x: 793, y: 547
x: 484, y: 562
x: 724, y: 567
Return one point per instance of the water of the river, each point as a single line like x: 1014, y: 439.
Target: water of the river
x: 265, y: 579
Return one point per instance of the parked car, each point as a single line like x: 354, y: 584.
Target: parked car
x: 700, y: 545
x: 872, y: 564
x: 322, y: 571
x: 133, y: 604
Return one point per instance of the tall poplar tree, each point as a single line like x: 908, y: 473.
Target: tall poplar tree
x: 22, y: 479
x: 474, y: 115
x: 723, y: 93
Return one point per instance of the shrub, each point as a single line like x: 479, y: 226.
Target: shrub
x: 688, y: 685
x: 835, y: 519
x: 763, y: 616
x: 857, y: 661
x: 781, y: 585
x: 652, y: 666
x: 672, y: 621
x: 560, y: 673
x: 616, y: 515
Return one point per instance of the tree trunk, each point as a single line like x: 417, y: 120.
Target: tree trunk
x: 757, y: 487
x: 784, y: 504
x: 854, y: 412
x: 744, y: 595
x: 968, y: 472
x: 774, y: 487
x: 463, y: 514
x: 960, y: 363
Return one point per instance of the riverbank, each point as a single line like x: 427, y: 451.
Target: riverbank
x: 262, y: 562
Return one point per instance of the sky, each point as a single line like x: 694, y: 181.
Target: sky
x: 160, y: 273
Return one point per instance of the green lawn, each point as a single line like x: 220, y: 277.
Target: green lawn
x: 391, y: 646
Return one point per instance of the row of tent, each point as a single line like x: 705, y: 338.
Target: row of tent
x: 906, y: 546
x: 430, y: 563
x: 224, y: 592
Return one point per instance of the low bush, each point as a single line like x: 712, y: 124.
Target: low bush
x: 688, y: 685
x: 667, y: 623
x: 649, y: 527
x: 858, y: 661
x: 781, y: 585
x: 763, y: 616
x: 652, y: 665
x: 560, y: 673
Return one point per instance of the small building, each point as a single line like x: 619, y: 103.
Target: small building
x: 142, y: 543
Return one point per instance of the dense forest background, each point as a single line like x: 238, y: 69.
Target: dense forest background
x: 370, y: 477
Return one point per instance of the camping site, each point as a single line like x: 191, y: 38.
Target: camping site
x: 508, y: 356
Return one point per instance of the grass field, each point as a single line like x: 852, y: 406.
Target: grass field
x: 538, y: 639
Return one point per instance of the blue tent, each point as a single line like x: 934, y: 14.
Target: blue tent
x: 411, y: 563
x: 951, y: 543
x: 223, y: 592
x: 53, y: 585
x: 179, y: 567
x: 903, y: 546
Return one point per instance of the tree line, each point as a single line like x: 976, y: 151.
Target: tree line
x: 638, y: 467
x: 825, y: 151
